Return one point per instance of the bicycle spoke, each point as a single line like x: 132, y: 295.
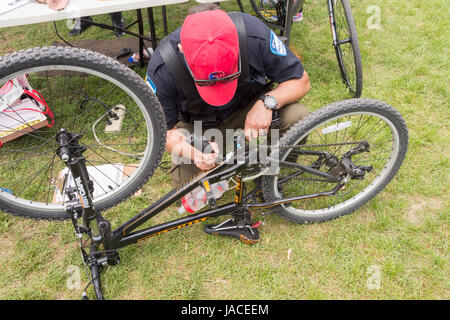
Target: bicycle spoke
x: 50, y: 180
x: 28, y: 182
x: 44, y: 177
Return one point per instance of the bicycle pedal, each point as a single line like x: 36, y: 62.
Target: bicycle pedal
x: 245, y: 233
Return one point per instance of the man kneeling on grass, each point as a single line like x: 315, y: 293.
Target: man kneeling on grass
x: 228, y: 82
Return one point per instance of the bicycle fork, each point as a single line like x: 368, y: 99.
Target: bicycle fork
x: 99, y: 229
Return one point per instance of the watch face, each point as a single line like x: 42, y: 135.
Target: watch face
x: 270, y: 102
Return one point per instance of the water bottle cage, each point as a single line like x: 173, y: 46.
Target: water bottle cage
x: 209, y: 194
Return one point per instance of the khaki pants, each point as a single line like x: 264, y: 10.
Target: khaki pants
x: 289, y: 115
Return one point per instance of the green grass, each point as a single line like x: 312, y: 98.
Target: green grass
x: 403, y: 231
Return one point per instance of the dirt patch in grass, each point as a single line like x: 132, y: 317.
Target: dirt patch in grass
x: 8, y: 243
x: 317, y: 232
x: 218, y: 288
x: 421, y: 208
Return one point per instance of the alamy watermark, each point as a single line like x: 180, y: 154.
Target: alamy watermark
x: 263, y: 150
x: 374, y: 21
x: 74, y: 280
x: 374, y: 280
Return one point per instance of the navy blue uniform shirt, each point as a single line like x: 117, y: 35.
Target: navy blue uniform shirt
x: 268, y: 58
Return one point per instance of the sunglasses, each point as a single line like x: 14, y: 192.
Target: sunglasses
x: 211, y: 82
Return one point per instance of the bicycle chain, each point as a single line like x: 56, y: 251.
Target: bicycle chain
x: 307, y: 178
x: 292, y: 146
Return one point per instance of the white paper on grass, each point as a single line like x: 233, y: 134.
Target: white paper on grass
x: 106, y: 177
x: 9, y: 5
x: 16, y: 118
x: 9, y: 98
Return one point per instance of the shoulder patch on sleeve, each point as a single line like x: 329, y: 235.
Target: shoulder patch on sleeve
x: 150, y: 83
x: 276, y: 45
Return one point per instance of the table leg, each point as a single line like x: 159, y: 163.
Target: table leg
x: 164, y: 17
x: 151, y: 22
x: 141, y: 41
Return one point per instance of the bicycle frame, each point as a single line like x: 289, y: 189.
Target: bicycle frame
x: 100, y: 230
x: 124, y: 234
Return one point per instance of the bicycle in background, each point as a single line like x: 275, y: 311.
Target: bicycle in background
x: 343, y: 30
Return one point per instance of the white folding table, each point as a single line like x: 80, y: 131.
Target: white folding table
x: 209, y: 1
x: 35, y: 12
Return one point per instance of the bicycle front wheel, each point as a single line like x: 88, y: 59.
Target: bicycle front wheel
x: 120, y: 120
x: 357, y: 135
x: 346, y: 45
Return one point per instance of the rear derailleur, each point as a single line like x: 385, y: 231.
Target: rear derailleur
x: 347, y: 167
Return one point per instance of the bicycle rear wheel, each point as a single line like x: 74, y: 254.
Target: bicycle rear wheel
x: 272, y: 12
x: 120, y: 120
x: 346, y: 45
x: 330, y: 133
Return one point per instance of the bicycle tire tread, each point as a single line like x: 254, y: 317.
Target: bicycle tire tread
x: 329, y: 111
x: 28, y: 58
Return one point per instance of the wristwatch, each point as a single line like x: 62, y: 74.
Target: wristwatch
x: 270, y: 102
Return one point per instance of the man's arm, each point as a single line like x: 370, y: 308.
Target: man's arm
x: 287, y: 92
x: 291, y: 91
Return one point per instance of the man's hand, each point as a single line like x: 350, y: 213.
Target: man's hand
x: 176, y: 144
x: 206, y: 161
x: 55, y: 4
x: 258, y: 121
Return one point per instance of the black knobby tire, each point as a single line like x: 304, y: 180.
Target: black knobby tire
x: 85, y: 91
x: 337, y: 128
x: 348, y: 54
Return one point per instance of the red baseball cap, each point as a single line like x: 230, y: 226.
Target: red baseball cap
x: 210, y: 45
